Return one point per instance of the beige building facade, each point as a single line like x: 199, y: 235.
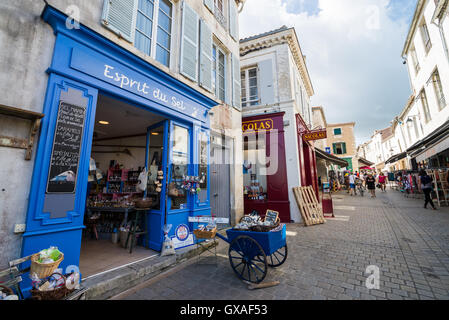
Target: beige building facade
x: 341, y: 142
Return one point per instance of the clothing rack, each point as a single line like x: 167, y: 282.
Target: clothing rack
x: 408, y: 183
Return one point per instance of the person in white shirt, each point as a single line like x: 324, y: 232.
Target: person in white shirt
x: 352, y: 178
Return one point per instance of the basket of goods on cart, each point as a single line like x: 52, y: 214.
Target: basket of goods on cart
x: 55, y: 287
x: 256, y: 244
x: 45, y: 262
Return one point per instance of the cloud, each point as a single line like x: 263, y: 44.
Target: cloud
x: 353, y: 50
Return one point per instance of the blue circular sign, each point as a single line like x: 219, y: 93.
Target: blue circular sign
x: 182, y: 232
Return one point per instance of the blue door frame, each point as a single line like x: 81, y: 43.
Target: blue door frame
x: 85, y: 63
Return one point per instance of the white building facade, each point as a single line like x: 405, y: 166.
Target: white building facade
x: 427, y: 56
x: 275, y: 81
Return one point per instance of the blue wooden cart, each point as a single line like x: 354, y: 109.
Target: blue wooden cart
x: 251, y: 253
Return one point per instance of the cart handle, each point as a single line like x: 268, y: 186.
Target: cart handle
x: 222, y: 237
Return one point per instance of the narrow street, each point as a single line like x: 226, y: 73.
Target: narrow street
x: 408, y: 243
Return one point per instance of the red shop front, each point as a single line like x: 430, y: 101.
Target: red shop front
x: 264, y: 168
x: 307, y: 159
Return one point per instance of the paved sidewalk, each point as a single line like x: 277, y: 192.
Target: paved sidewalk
x: 409, y: 245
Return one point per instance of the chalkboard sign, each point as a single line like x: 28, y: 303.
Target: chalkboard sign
x: 271, y: 216
x: 66, y: 149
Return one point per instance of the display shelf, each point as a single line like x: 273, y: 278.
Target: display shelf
x: 440, y: 194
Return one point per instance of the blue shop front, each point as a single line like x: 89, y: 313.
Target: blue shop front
x: 109, y: 116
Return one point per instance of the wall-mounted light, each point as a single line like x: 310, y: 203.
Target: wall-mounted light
x: 103, y: 122
x: 155, y: 133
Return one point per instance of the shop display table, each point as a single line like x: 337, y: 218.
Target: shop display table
x: 132, y: 231
x: 125, y: 210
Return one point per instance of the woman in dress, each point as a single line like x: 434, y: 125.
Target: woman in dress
x: 371, y: 184
x: 382, y: 181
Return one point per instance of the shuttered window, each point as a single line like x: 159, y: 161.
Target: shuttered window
x: 146, y: 23
x: 164, y: 32
x: 221, y: 80
x: 219, y: 73
x: 205, y: 56
x: 250, y: 88
x: 233, y: 20
x: 425, y: 36
x: 144, y: 26
x: 438, y: 88
x: 119, y: 16
x: 189, y: 44
x: 339, y: 148
x: 425, y: 106
x: 236, y: 87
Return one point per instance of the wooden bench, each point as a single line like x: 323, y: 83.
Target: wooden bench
x: 12, y: 276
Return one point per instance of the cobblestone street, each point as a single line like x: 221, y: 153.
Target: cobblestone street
x: 409, y: 244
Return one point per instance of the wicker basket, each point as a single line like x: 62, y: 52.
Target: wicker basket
x: 6, y: 290
x: 260, y: 228
x: 44, y: 270
x: 144, y: 203
x: 56, y: 294
x: 203, y: 234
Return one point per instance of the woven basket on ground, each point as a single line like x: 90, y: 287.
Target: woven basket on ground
x: 44, y: 270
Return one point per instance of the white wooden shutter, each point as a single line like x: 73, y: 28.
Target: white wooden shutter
x: 189, y: 43
x: 205, y: 56
x: 119, y: 16
x: 209, y: 4
x: 236, y: 85
x: 266, y: 89
x: 233, y: 20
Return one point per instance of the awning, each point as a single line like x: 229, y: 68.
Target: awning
x: 329, y: 157
x: 396, y: 157
x: 365, y: 162
x: 431, y: 145
x: 433, y: 150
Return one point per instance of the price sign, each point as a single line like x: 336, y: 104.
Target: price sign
x: 66, y: 149
x: 208, y: 219
x: 271, y: 216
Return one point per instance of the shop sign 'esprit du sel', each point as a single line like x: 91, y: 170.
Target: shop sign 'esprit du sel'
x: 133, y: 81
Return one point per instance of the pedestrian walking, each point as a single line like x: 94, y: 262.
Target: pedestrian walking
x: 427, y: 188
x: 383, y: 182
x: 346, y: 180
x: 371, y: 184
x: 352, y: 178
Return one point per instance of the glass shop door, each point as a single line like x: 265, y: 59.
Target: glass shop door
x: 156, y: 164
x: 179, y: 168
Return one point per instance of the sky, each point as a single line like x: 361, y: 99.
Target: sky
x: 353, y: 54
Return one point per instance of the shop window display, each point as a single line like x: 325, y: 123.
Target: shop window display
x: 179, y: 170
x: 202, y: 166
x: 255, y: 168
x: 155, y: 169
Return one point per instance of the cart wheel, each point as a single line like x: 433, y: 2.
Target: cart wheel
x: 278, y: 257
x: 248, y: 260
